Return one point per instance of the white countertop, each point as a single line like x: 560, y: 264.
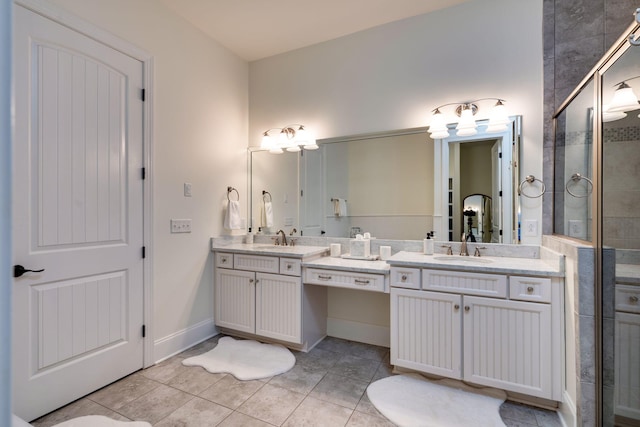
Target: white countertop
x: 337, y: 263
x: 297, y: 251
x: 505, y: 265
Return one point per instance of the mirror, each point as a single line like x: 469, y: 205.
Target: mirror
x: 390, y: 184
x: 477, y: 218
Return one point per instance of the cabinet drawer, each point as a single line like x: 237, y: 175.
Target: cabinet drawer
x: 534, y: 289
x: 344, y: 279
x: 628, y: 298
x: 408, y: 278
x: 224, y: 260
x: 290, y: 266
x: 491, y: 285
x: 264, y: 264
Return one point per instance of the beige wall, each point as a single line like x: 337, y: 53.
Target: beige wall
x: 199, y: 136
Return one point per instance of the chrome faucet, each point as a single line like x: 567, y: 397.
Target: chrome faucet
x: 284, y: 238
x: 463, y: 246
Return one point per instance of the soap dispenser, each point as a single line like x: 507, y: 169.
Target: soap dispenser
x: 428, y: 244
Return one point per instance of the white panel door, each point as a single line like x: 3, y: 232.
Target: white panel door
x: 496, y: 189
x: 507, y: 345
x: 279, y: 307
x: 78, y: 214
x: 627, y: 365
x: 426, y: 331
x: 311, y: 200
x: 235, y: 300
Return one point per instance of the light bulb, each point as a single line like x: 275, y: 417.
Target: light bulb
x: 466, y: 121
x: 498, y: 114
x: 440, y: 134
x: 267, y: 141
x: 624, y: 99
x: 438, y: 122
x: 466, y: 131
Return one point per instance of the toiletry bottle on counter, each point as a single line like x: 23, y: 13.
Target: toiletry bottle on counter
x: 428, y: 244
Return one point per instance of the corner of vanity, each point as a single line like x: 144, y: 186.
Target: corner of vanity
x: 490, y: 321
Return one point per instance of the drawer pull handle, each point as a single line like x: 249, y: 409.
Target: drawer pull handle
x: 530, y: 289
x: 224, y: 260
x: 289, y: 266
x: 456, y: 307
x: 323, y: 277
x: 404, y: 277
x: 633, y: 299
x: 361, y: 282
x: 250, y: 280
x: 467, y: 308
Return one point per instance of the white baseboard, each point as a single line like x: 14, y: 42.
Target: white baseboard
x: 177, y: 342
x: 361, y: 332
x: 567, y: 411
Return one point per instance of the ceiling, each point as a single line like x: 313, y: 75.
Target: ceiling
x: 256, y: 29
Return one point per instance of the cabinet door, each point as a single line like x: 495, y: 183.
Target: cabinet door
x: 426, y: 331
x: 507, y: 344
x: 627, y: 365
x: 235, y: 306
x: 279, y: 307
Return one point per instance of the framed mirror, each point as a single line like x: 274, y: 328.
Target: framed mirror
x: 389, y: 184
x: 484, y: 163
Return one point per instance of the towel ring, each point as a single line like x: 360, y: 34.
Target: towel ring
x: 530, y: 179
x: 264, y: 193
x: 229, y: 190
x: 575, y: 178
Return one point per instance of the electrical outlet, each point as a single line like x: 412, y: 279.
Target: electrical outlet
x: 181, y: 226
x: 576, y: 228
x: 531, y: 228
x: 187, y: 189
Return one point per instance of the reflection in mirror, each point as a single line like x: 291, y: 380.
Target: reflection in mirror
x: 486, y: 164
x: 477, y: 218
x: 276, y: 174
x: 573, y: 153
x: 387, y: 181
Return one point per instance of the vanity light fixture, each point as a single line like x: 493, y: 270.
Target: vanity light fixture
x: 289, y: 138
x: 467, y: 126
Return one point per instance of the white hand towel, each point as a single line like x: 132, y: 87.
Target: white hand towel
x: 267, y: 212
x: 343, y: 207
x: 232, y: 219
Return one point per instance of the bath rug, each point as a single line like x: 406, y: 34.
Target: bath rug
x: 100, y: 421
x: 245, y: 359
x: 412, y: 400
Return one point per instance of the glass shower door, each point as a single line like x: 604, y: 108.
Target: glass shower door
x: 620, y: 250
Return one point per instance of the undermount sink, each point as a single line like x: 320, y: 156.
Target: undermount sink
x: 460, y: 258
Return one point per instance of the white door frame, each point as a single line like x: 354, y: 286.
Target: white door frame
x: 6, y: 136
x: 67, y: 19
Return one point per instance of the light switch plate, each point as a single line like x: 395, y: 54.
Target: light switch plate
x: 530, y: 228
x: 180, y: 226
x: 187, y: 189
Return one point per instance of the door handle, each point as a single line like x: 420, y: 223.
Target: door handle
x: 19, y: 270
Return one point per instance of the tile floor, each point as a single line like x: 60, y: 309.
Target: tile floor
x: 326, y: 387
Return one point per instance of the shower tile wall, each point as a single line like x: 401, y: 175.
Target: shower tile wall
x: 621, y: 227
x: 576, y: 34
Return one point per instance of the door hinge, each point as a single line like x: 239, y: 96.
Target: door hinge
x: 499, y: 155
x: 500, y: 193
x: 144, y: 331
x: 144, y: 95
x: 301, y: 193
x: 501, y: 232
x: 144, y: 252
x: 144, y: 173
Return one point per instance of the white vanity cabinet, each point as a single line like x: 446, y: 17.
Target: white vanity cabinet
x: 627, y: 342
x: 481, y: 328
x: 262, y: 296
